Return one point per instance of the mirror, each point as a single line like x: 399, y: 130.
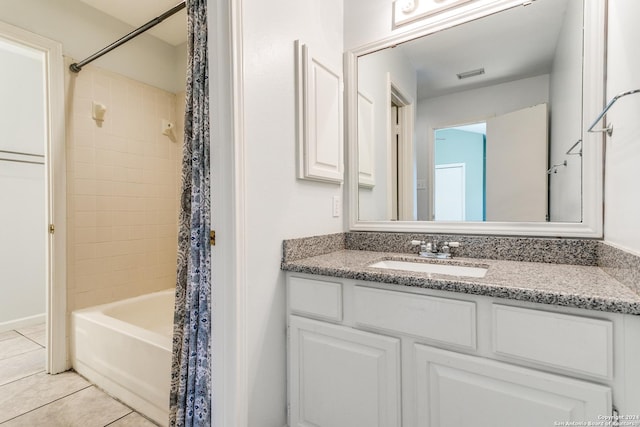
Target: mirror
x: 480, y: 126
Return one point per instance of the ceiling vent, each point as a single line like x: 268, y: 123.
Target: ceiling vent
x: 471, y: 73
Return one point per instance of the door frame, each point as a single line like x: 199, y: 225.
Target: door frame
x: 228, y: 257
x: 431, y: 157
x: 406, y: 182
x: 55, y: 194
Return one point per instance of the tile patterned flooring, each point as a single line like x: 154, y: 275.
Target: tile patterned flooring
x: 31, y: 398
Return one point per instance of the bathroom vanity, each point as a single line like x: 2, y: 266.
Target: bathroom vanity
x: 528, y: 344
x: 513, y: 331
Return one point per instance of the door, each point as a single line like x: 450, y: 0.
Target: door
x: 32, y: 182
x: 23, y: 232
x: 450, y: 192
x: 340, y: 376
x: 517, y: 178
x: 454, y: 390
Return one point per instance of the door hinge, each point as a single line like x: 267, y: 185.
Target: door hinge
x: 52, y: 228
x: 212, y: 237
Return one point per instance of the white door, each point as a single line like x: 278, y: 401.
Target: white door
x: 341, y: 377
x: 23, y: 235
x: 454, y: 390
x: 449, y: 192
x: 33, y: 172
x: 516, y: 165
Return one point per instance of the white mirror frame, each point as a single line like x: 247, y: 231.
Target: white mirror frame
x: 594, y: 48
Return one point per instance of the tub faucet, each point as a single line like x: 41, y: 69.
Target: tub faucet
x: 431, y: 249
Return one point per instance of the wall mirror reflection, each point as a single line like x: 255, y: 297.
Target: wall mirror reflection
x: 481, y: 122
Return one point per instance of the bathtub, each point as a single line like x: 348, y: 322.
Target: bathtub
x: 125, y: 348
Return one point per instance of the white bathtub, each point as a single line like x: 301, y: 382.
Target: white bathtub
x: 125, y: 349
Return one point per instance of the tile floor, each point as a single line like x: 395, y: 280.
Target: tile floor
x: 31, y: 398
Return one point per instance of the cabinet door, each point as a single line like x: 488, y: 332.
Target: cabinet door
x: 342, y: 377
x: 320, y: 138
x: 455, y: 390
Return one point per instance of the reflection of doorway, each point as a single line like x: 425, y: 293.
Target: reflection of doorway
x: 459, y: 174
x: 450, y: 192
x: 32, y: 171
x: 401, y: 202
x: 505, y: 162
x: 396, y: 155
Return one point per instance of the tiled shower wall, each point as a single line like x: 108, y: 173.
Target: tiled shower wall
x: 123, y: 179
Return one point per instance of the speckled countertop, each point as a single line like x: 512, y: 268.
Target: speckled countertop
x: 586, y: 287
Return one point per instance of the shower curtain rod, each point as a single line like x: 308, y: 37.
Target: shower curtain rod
x: 77, y: 66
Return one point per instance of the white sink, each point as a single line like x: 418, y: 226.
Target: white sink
x: 437, y: 268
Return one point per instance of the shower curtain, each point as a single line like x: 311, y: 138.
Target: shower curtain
x: 190, y: 396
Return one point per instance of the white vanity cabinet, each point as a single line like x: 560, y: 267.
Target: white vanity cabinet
x: 375, y: 355
x: 454, y: 390
x: 344, y: 377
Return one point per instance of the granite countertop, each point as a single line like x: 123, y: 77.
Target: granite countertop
x: 586, y: 287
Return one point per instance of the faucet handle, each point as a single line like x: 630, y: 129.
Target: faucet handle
x: 446, y: 246
x: 424, y: 247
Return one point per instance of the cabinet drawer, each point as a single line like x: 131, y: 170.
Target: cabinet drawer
x: 315, y: 298
x: 573, y: 343
x: 438, y: 319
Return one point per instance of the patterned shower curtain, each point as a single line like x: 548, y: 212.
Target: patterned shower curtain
x: 190, y: 398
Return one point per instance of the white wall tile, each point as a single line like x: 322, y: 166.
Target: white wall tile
x: 122, y: 194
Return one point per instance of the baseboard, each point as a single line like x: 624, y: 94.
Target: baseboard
x: 22, y: 322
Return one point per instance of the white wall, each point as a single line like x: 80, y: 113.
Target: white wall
x: 278, y: 206
x: 622, y: 174
x: 372, y: 81
x: 469, y: 107
x: 83, y: 30
x: 565, y: 187
x: 22, y: 186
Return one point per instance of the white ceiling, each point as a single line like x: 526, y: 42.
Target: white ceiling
x: 173, y: 30
x: 509, y: 45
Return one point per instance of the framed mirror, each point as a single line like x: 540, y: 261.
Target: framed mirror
x: 477, y: 124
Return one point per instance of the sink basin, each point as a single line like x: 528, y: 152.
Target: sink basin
x: 437, y: 268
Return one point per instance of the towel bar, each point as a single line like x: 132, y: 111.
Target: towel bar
x: 609, y: 129
x: 579, y: 153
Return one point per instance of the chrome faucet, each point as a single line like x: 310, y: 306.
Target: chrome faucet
x: 431, y: 250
